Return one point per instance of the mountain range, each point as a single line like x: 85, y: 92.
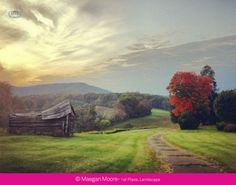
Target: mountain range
x: 58, y: 88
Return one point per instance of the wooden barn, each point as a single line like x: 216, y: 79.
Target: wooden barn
x: 55, y: 121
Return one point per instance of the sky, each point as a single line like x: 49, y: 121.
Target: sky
x: 125, y: 45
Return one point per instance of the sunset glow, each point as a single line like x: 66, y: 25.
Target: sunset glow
x: 114, y: 43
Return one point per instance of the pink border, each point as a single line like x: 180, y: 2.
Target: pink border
x: 113, y: 178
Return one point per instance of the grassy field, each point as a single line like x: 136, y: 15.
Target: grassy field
x: 158, y: 118
x: 125, y: 151
x: 208, y: 142
x: 86, y: 152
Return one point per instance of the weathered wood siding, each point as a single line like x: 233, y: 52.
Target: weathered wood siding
x: 35, y: 125
x: 56, y: 121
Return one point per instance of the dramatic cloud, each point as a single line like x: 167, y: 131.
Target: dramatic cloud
x: 9, y: 35
x: 58, y: 38
x: 29, y: 9
x: 118, y: 45
x: 18, y: 76
x: 150, y: 70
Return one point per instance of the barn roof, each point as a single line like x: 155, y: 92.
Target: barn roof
x: 58, y: 111
x: 27, y: 115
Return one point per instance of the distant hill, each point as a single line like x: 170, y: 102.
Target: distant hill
x: 59, y: 88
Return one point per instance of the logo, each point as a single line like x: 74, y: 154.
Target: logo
x: 14, y: 13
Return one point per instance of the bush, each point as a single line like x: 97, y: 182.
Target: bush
x: 173, y: 118
x: 135, y: 107
x: 187, y: 121
x: 220, y: 126
x: 225, y: 106
x: 102, y: 124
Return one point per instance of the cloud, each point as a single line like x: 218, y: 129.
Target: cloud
x: 92, y: 8
x: 98, y: 9
x: 28, y: 10
x: 67, y: 40
x: 66, y: 43
x: 140, y: 70
x: 19, y: 76
x: 150, y: 42
x: 157, y: 65
x: 136, y: 49
x: 9, y: 35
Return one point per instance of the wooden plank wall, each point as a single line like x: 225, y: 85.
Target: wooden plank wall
x: 35, y: 125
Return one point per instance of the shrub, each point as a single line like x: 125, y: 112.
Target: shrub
x: 225, y: 106
x: 173, y: 118
x: 187, y: 121
x: 220, y: 126
x: 135, y: 107
x: 101, y: 124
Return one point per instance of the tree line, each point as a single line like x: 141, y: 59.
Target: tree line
x: 126, y: 105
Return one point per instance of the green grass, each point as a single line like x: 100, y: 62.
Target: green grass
x: 86, y: 152
x: 158, y: 118
x: 209, y: 143
x: 118, y: 150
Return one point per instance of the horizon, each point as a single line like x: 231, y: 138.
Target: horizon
x: 125, y: 46
x: 109, y: 91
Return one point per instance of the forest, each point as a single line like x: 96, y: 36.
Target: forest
x: 94, y: 111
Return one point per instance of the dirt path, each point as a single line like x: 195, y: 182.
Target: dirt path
x: 179, y: 160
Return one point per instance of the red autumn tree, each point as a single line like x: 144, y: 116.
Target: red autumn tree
x: 189, y: 92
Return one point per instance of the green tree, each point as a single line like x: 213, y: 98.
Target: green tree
x: 225, y: 106
x: 86, y: 117
x: 209, y: 72
x: 135, y: 107
x: 209, y: 116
